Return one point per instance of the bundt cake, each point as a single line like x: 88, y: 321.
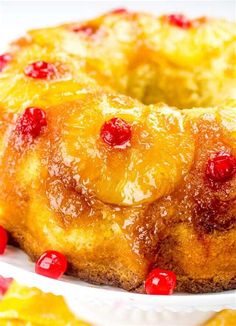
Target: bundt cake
x: 98, y: 164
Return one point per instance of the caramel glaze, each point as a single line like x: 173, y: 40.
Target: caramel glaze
x: 205, y: 213
x: 117, y: 213
x: 184, y: 231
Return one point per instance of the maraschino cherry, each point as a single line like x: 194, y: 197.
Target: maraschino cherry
x: 41, y: 70
x: 32, y: 122
x: 4, y: 284
x: 3, y: 240
x: 221, y: 167
x: 160, y: 281
x: 51, y: 264
x: 179, y: 20
x: 116, y: 132
x: 4, y: 59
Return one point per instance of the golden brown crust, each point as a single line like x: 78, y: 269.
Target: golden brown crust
x: 216, y: 284
x: 189, y: 285
x: 129, y: 281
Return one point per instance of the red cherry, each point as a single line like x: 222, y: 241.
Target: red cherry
x: 4, y: 59
x: 51, y: 264
x: 160, y: 281
x: 119, y: 11
x: 41, y: 70
x: 85, y: 29
x: 32, y: 122
x: 4, y: 284
x: 222, y: 167
x: 3, y: 240
x: 116, y: 132
x: 179, y: 21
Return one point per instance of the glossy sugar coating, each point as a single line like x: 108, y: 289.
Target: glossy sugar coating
x: 116, y: 213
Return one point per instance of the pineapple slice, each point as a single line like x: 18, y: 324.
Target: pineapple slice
x: 160, y: 154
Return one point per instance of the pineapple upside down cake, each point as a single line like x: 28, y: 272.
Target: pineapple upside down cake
x: 118, y: 151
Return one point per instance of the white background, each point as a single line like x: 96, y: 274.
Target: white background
x: 18, y: 16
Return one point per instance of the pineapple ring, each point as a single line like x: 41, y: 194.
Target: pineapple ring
x: 160, y: 154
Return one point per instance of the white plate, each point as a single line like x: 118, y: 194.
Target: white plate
x: 14, y: 263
